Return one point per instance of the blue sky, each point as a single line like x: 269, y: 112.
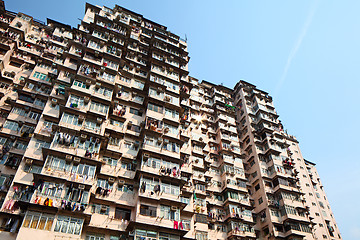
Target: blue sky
x: 306, y: 54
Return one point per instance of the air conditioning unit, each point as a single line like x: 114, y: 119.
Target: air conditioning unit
x: 81, y: 187
x: 81, y: 118
x: 54, y: 101
x: 121, y: 182
x: 68, y: 158
x: 107, y: 135
x: 76, y: 160
x: 83, y: 137
x: 200, y: 175
x: 167, y: 99
x: 86, y: 99
x: 88, y: 82
x: 146, y: 155
x: 166, y: 130
x: 111, y: 180
x: 99, y: 120
x: 28, y: 161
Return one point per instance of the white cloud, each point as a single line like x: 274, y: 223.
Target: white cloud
x: 297, y: 45
x: 355, y: 233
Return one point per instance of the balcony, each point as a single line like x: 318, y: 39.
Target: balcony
x: 68, y: 176
x: 118, y: 197
x: 98, y: 220
x: 241, y: 233
x: 156, y: 222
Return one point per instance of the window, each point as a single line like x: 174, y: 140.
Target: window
x: 104, y: 91
x: 94, y: 44
x: 156, y: 93
x: 116, y: 123
x: 51, y: 189
x: 91, y: 125
x: 76, y: 101
x: 114, y: 141
x: 26, y: 98
x: 135, y: 111
x: 19, y: 111
x: 128, y: 188
x: 104, y: 184
x: 139, y: 84
x: 20, y: 145
x: 138, y: 99
x: 167, y: 236
x: 148, y: 210
x: 171, y: 146
x: 99, y: 107
x: 201, y: 235
x: 84, y: 170
x: 201, y: 218
x: 100, y: 209
x: 108, y: 76
x: 38, y: 221
x: 41, y: 76
x: 125, y: 79
x: 122, y: 214
x: 155, y: 108
x: 111, y: 64
x: 32, y: 168
x: 143, y: 234
x: 69, y: 225
x: 324, y: 213
x: 275, y: 213
x: 39, y: 102
x: 58, y: 164
x: 170, y: 213
x: 260, y: 200
x: 70, y: 119
x: 171, y: 113
x: 14, y: 126
x: 3, y: 140
x: 34, y: 115
x: 110, y: 161
x: 170, y: 189
x: 80, y: 84
x: 94, y: 236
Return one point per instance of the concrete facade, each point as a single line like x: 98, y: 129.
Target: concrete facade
x: 105, y: 136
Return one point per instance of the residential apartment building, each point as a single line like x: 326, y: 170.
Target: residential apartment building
x: 105, y: 136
